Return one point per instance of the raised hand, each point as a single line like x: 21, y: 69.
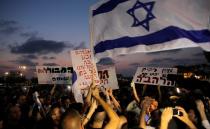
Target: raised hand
x: 200, y: 105
x: 201, y: 110
x: 132, y: 84
x: 95, y: 92
x: 107, y: 91
x: 134, y: 92
x: 145, y: 104
x: 92, y: 109
x: 92, y: 85
x: 94, y: 105
x: 184, y: 118
x: 110, y: 91
x: 166, y: 116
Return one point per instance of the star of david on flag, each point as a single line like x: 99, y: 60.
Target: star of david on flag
x: 149, y: 16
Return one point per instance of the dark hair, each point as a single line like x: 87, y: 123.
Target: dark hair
x: 51, y: 109
x: 63, y: 98
x: 76, y: 106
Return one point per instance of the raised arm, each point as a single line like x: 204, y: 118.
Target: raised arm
x: 135, y: 93
x: 114, y: 118
x: 53, y: 90
x: 88, y: 97
x: 90, y: 113
x: 184, y: 118
x: 201, y: 110
x: 166, y: 116
x: 107, y: 96
x: 115, y: 102
x: 145, y: 104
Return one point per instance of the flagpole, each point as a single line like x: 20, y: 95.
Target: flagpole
x: 91, y: 32
x: 92, y: 44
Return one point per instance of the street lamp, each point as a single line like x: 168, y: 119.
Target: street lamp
x: 68, y: 88
x: 22, y: 70
x: 5, y: 78
x: 23, y: 67
x: 6, y: 73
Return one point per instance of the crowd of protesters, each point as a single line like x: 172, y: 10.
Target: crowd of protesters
x: 108, y: 109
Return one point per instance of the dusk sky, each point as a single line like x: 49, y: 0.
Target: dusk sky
x: 42, y: 32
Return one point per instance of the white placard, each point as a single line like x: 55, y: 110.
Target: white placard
x: 154, y: 76
x: 108, y: 78
x: 54, y: 74
x: 85, y: 68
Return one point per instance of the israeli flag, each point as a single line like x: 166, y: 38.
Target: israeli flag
x: 75, y: 89
x: 130, y: 26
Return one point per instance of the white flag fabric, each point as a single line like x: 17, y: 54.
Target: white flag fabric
x: 130, y: 26
x: 75, y: 89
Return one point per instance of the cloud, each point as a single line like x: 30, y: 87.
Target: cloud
x: 24, y: 61
x: 9, y: 26
x: 165, y: 52
x: 27, y: 60
x: 128, y: 71
x: 122, y: 55
x: 189, y: 61
x: 52, y: 58
x: 30, y: 56
x: 50, y: 64
x: 35, y: 45
x: 48, y: 58
x: 135, y: 64
x: 106, y: 61
x: 38, y: 46
x: 199, y: 54
x: 9, y: 30
x: 5, y: 67
x: 161, y: 60
x: 173, y: 62
x: 7, y: 22
x: 29, y: 34
x: 207, y: 56
x: 82, y: 45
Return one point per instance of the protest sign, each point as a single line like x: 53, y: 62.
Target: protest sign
x: 54, y: 74
x: 154, y: 76
x: 108, y: 77
x: 84, y: 67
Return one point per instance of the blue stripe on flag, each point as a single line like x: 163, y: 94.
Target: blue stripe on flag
x: 107, y: 7
x: 74, y: 77
x: 168, y: 34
